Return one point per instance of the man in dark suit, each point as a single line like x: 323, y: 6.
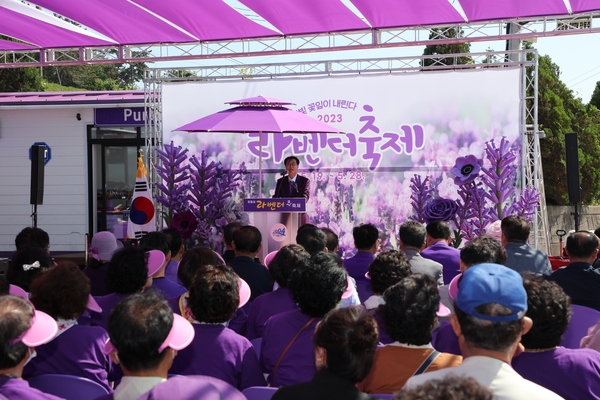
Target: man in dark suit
x: 292, y: 185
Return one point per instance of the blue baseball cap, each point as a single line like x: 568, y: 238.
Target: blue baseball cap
x: 492, y: 283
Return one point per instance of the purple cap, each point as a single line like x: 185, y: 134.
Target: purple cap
x: 492, y: 283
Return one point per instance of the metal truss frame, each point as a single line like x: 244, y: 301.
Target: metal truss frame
x: 527, y: 60
x: 526, y: 29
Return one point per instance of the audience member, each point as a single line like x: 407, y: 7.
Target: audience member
x: 22, y: 328
x: 570, y: 373
x: 439, y: 249
x: 333, y: 241
x: 480, y: 250
x: 193, y: 388
x: 387, y: 269
x: 596, y: 263
x: 286, y: 351
x: 287, y: 259
x: 409, y: 315
x: 32, y: 237
x: 520, y: 256
x: 130, y: 271
x: 63, y: 293
x: 311, y: 238
x: 246, y: 244
x: 27, y: 264
x: 345, y: 342
x: 101, y: 249
x: 490, y: 319
x: 216, y: 350
x: 579, y: 279
x: 412, y: 241
x: 160, y: 241
x: 145, y: 337
x: 229, y: 231
x: 366, y: 241
x: 449, y: 388
x: 177, y: 248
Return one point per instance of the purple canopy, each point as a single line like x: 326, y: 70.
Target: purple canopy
x: 259, y: 114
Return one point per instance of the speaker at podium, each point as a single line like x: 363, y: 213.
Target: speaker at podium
x: 277, y: 220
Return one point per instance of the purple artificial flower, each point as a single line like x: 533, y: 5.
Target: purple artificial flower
x: 185, y: 223
x: 466, y: 169
x: 421, y: 192
x: 440, y: 209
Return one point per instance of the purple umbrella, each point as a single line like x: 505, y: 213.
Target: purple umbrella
x: 259, y: 114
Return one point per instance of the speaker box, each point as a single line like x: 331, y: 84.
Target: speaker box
x: 37, y: 175
x: 571, y: 147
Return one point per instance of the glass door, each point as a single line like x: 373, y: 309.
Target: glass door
x: 112, y: 156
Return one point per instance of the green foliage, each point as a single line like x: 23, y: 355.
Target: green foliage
x: 595, y: 100
x: 452, y: 48
x: 20, y: 80
x: 560, y: 112
x: 55, y: 87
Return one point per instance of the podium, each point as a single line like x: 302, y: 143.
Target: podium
x: 277, y: 220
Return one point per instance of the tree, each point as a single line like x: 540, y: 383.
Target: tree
x: 595, y: 100
x: 560, y: 112
x: 97, y: 76
x: 451, y: 48
x: 20, y: 80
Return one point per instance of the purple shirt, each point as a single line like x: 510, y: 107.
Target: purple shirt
x: 196, y: 387
x: 169, y: 288
x: 358, y: 266
x: 77, y: 351
x: 446, y: 255
x: 298, y: 363
x: 99, y: 280
x: 106, y: 303
x: 570, y: 373
x: 171, y: 272
x: 20, y: 389
x: 446, y: 341
x: 264, y: 307
x: 219, y: 352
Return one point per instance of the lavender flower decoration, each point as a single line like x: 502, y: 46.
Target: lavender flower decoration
x: 500, y: 178
x: 440, y: 209
x: 526, y: 205
x: 421, y: 194
x: 175, y: 180
x: 211, y: 188
x: 466, y: 169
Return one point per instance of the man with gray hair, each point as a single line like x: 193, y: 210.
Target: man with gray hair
x: 580, y: 280
x: 412, y: 241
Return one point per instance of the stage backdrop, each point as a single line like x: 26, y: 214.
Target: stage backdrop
x: 397, y: 125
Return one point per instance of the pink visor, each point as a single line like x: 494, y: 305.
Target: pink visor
x: 269, y: 257
x: 18, y: 291
x: 367, y: 275
x: 93, y: 305
x: 350, y: 289
x: 42, y: 330
x: 156, y: 259
x: 245, y: 292
x: 453, y: 287
x: 443, y: 311
x: 181, y: 335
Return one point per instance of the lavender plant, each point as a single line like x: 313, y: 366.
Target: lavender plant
x: 486, y: 193
x: 175, y: 180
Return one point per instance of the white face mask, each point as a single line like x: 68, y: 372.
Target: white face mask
x: 32, y: 354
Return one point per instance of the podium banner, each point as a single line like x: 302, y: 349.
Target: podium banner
x: 293, y: 204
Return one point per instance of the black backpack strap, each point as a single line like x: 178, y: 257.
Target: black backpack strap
x: 423, y: 367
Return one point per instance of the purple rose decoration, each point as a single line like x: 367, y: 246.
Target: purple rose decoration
x: 442, y: 209
x: 185, y: 223
x: 466, y: 169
